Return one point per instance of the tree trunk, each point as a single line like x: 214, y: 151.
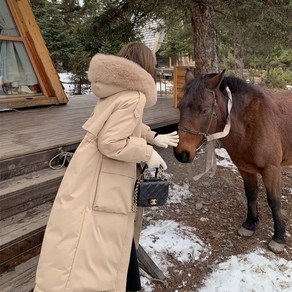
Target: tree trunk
x: 78, y: 85
x: 237, y: 44
x: 205, y: 36
x: 238, y: 56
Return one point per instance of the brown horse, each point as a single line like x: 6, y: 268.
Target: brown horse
x: 259, y: 139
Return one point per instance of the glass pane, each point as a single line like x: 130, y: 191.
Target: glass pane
x: 17, y: 76
x: 7, y: 25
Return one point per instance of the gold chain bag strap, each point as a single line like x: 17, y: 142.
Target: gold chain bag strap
x: 151, y: 191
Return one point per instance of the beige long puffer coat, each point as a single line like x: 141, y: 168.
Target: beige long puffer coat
x: 90, y: 230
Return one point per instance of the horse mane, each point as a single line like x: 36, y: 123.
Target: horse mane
x: 235, y: 84
x: 197, y: 86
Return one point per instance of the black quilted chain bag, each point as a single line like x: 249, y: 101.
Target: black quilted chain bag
x: 151, y: 191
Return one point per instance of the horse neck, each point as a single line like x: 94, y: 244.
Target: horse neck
x: 237, y: 114
x: 222, y: 112
x: 241, y: 94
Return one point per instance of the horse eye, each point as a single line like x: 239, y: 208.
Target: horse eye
x: 205, y: 111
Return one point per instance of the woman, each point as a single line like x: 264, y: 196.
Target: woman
x: 88, y: 239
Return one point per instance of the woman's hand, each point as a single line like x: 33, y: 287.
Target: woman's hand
x: 156, y: 161
x: 166, y: 140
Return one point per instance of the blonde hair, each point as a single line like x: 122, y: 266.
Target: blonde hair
x: 140, y: 54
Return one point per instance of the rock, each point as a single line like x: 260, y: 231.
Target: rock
x: 199, y: 206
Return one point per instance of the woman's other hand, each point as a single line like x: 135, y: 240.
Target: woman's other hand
x: 156, y: 161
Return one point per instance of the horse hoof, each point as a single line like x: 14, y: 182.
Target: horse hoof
x: 245, y: 232
x: 276, y: 247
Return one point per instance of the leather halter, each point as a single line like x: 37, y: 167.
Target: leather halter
x: 210, y: 137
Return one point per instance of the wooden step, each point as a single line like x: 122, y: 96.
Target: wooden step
x: 27, y: 191
x: 20, y: 279
x: 21, y: 236
x: 20, y: 165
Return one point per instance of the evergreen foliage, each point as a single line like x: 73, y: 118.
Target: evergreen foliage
x: 252, y: 34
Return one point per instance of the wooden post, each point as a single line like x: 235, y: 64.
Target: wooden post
x: 179, y: 82
x: 147, y: 264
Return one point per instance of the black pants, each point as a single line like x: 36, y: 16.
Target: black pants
x: 133, y: 277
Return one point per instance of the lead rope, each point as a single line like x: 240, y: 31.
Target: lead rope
x: 211, y: 156
x: 210, y: 161
x: 62, y: 155
x: 227, y: 126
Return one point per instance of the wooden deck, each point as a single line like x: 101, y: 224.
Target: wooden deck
x: 28, y: 140
x: 33, y: 130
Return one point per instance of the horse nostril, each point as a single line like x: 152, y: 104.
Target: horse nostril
x: 185, y: 156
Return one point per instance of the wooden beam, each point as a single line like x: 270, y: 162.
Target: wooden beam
x: 148, y: 265
x: 10, y: 38
x: 27, y: 101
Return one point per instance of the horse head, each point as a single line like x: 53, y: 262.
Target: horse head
x: 198, y: 113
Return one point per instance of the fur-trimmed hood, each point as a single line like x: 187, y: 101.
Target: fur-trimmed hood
x: 111, y: 74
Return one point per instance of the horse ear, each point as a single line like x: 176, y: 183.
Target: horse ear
x: 189, y: 75
x: 214, y: 82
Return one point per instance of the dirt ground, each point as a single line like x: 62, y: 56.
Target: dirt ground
x: 221, y: 199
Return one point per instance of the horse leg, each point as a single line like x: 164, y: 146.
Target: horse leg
x: 272, y: 181
x: 251, y: 192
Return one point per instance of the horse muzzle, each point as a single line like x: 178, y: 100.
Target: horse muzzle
x: 182, y: 156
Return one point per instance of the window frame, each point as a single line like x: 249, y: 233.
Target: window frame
x: 31, y: 37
